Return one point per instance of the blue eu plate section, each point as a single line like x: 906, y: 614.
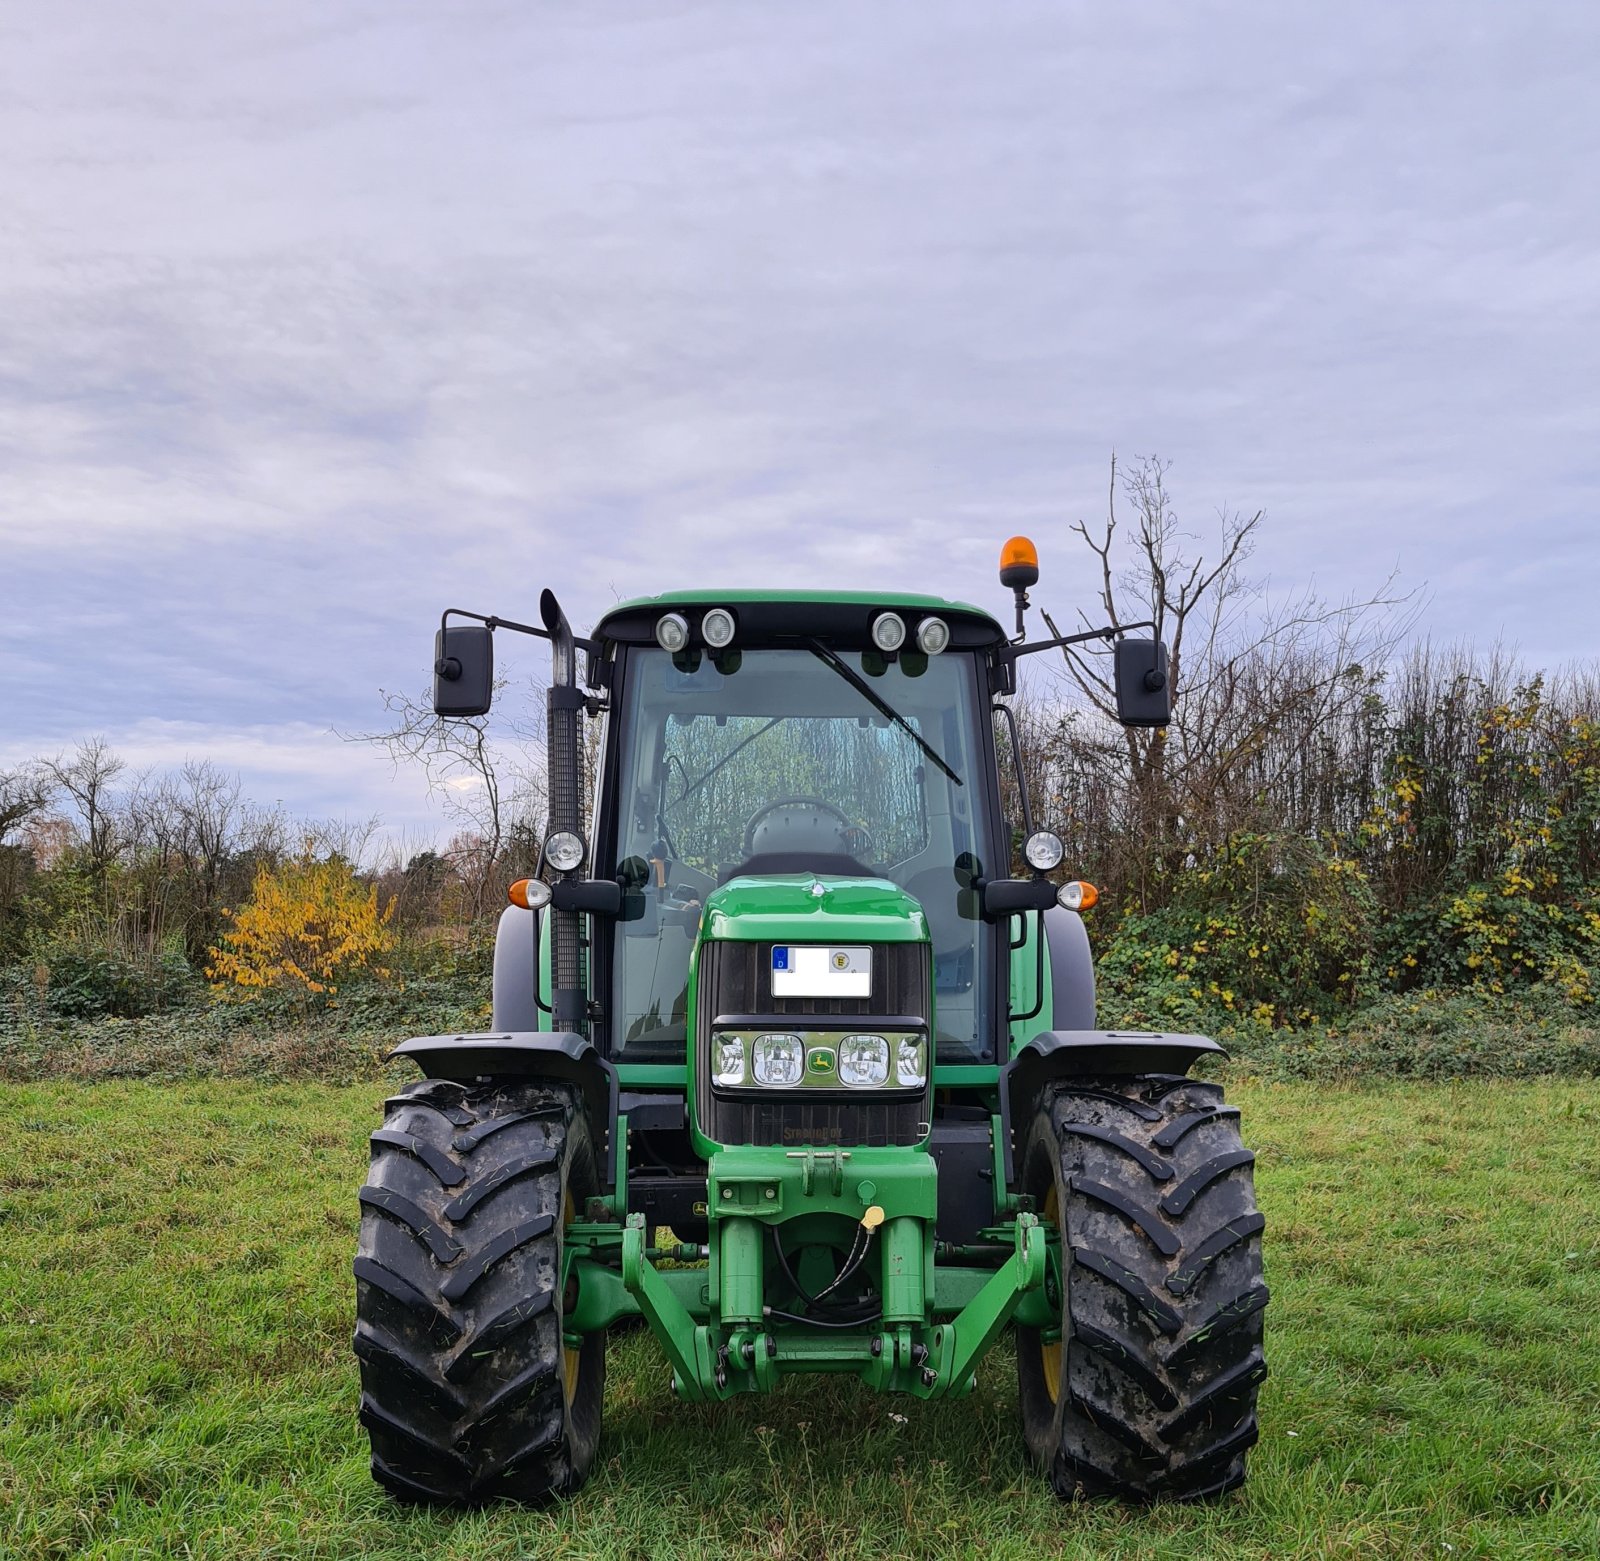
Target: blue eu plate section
x: 780, y: 958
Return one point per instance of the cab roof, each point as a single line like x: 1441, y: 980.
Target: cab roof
x: 768, y: 617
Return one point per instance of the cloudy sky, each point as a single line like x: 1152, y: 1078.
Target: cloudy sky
x: 319, y: 317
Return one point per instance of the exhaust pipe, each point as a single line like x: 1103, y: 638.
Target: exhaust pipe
x: 568, y: 1001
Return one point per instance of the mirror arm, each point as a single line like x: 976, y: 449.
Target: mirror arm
x: 1016, y: 760
x: 587, y: 646
x: 1110, y: 632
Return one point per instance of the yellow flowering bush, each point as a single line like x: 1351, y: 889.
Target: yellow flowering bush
x: 308, y: 926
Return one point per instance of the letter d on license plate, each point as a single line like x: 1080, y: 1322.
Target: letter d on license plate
x: 819, y: 970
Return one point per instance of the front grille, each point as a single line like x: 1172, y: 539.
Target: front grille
x: 736, y: 978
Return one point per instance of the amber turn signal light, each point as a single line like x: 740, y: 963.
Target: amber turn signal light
x: 1077, y: 895
x: 532, y: 894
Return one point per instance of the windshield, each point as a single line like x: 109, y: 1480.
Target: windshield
x: 792, y: 761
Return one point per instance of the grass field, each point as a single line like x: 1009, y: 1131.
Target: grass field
x: 175, y: 1374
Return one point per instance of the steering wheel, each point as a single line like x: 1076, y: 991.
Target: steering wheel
x: 816, y: 804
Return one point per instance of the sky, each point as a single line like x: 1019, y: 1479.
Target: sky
x: 318, y: 318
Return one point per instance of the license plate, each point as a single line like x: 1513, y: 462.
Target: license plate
x: 816, y: 970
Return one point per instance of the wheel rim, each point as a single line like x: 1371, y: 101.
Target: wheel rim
x: 570, y: 1358
x: 1050, y: 1351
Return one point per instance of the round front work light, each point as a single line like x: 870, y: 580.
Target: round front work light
x: 564, y: 850
x: 933, y: 634
x: 672, y: 632
x: 1076, y: 896
x: 1044, y: 851
x: 716, y: 628
x: 888, y: 631
x: 531, y: 894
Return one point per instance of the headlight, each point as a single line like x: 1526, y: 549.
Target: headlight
x: 1044, y: 851
x: 888, y: 632
x: 728, y: 1067
x: 716, y: 628
x: 564, y: 850
x: 933, y: 634
x: 672, y: 632
x: 910, y: 1061
x: 863, y: 1061
x: 779, y: 1059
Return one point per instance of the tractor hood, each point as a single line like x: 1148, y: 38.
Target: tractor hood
x: 813, y: 909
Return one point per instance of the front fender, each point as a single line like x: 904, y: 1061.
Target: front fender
x: 1065, y: 1054
x: 562, y: 1056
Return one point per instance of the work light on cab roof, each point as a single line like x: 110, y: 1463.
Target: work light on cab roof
x: 784, y: 1063
x: 717, y: 628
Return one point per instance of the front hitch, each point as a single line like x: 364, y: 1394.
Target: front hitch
x: 958, y: 1345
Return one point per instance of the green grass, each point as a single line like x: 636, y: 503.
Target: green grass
x: 175, y: 1374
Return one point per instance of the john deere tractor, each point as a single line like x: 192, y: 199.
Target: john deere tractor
x: 788, y: 1064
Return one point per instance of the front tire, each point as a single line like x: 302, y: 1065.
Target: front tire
x: 1148, y: 1390
x: 469, y: 1393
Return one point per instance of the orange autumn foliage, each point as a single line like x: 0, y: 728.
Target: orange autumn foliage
x: 308, y: 925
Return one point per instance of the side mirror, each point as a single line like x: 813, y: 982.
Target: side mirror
x: 1144, y: 691
x: 463, y: 669
x: 1007, y: 896
x: 597, y: 896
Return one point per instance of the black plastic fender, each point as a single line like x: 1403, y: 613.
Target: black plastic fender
x: 1065, y: 1054
x: 1071, y: 970
x: 516, y: 970
x: 563, y: 1055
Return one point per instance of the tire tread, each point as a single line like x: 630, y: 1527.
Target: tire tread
x: 458, y: 1331
x: 1162, y: 1316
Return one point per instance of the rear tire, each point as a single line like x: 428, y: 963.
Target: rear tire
x: 1149, y: 1390
x: 468, y: 1392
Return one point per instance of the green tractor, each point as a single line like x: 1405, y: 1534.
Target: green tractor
x: 784, y: 1001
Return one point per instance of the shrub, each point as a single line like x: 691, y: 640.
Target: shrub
x: 1435, y: 1035
x: 1273, y: 930
x: 1498, y: 937
x: 308, y: 926
x: 92, y: 983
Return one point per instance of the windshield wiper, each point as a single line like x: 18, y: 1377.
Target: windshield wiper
x: 882, y: 705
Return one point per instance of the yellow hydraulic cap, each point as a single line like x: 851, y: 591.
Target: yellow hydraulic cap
x: 873, y: 1218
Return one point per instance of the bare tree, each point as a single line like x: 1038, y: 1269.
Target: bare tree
x: 154, y: 839
x: 490, y: 796
x: 24, y: 791
x: 347, y: 838
x: 1253, y: 681
x: 24, y: 796
x: 210, y: 810
x: 207, y: 813
x: 88, y: 778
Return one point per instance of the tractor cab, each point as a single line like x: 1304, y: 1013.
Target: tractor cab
x: 794, y: 742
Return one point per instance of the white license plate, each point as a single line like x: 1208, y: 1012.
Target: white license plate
x: 815, y: 970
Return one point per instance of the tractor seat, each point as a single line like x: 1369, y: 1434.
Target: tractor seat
x: 799, y: 835
x: 825, y: 864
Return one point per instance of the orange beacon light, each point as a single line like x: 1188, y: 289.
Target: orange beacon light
x: 1019, y: 568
